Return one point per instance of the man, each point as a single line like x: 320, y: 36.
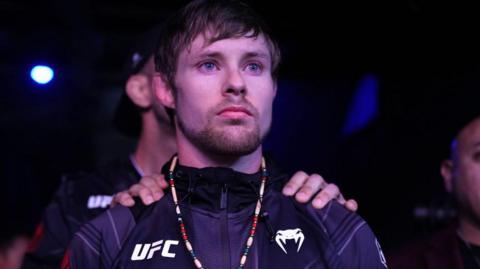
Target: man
x: 217, y: 68
x: 457, y: 246
x: 81, y: 197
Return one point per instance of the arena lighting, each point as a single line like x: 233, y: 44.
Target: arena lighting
x: 364, y: 107
x: 42, y: 74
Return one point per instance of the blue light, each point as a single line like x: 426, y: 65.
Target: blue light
x: 42, y: 74
x: 364, y: 107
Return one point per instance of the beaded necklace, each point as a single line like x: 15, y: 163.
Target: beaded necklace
x: 183, y: 230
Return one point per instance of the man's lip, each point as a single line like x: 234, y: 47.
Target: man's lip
x: 235, y: 109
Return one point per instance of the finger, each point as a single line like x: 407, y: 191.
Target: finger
x: 326, y: 195
x: 351, y: 205
x: 158, y: 194
x: 142, y: 190
x: 160, y: 179
x: 152, y: 184
x: 134, y: 190
x: 294, y: 184
x: 146, y: 196
x: 312, y: 185
x: 340, y: 199
x: 123, y: 198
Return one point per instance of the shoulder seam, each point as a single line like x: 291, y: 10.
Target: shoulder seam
x: 360, y: 225
x: 96, y: 251
x: 325, y: 216
x: 117, y: 238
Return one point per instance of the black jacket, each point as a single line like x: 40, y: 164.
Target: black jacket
x: 217, y: 206
x: 80, y: 198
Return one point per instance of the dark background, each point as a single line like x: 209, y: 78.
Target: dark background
x: 409, y: 67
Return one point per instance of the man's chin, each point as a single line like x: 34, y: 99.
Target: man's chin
x: 234, y: 142
x: 237, y: 131
x: 237, y: 149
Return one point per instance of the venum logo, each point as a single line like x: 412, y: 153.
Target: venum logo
x: 146, y: 251
x: 281, y: 238
x: 99, y: 201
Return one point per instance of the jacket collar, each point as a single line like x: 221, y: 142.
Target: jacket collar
x: 219, y: 188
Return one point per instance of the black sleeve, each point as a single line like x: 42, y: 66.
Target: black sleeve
x: 354, y: 242
x: 99, y: 241
x: 55, y: 230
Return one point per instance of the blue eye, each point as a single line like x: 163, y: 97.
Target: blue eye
x: 254, y: 67
x: 208, y: 66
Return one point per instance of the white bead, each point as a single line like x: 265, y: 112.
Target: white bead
x: 249, y: 241
x: 243, y: 260
x: 174, y: 194
x: 188, y: 245
x: 257, y: 209
x: 172, y: 165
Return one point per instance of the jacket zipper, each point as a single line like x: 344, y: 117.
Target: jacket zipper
x: 224, y: 197
x: 224, y: 233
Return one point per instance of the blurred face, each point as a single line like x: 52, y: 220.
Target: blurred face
x: 466, y: 172
x: 224, y: 94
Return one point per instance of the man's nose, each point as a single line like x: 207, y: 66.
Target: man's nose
x: 235, y: 84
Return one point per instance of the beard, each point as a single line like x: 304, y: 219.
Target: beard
x: 230, y: 138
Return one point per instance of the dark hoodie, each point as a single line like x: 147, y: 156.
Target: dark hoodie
x: 217, y: 206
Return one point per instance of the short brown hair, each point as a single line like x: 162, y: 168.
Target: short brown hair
x: 225, y: 18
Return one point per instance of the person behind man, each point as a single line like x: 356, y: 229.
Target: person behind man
x: 458, y: 245
x: 217, y: 67
x: 81, y: 197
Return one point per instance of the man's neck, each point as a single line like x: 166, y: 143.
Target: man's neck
x: 469, y: 231
x: 155, y: 147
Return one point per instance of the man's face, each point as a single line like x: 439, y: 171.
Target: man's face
x: 224, y: 94
x: 466, y: 171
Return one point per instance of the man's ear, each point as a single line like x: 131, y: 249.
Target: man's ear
x: 446, y: 170
x: 163, y: 92
x: 138, y: 90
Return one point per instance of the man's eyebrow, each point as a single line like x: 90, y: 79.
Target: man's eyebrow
x: 219, y: 55
x: 208, y: 54
x: 256, y: 54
